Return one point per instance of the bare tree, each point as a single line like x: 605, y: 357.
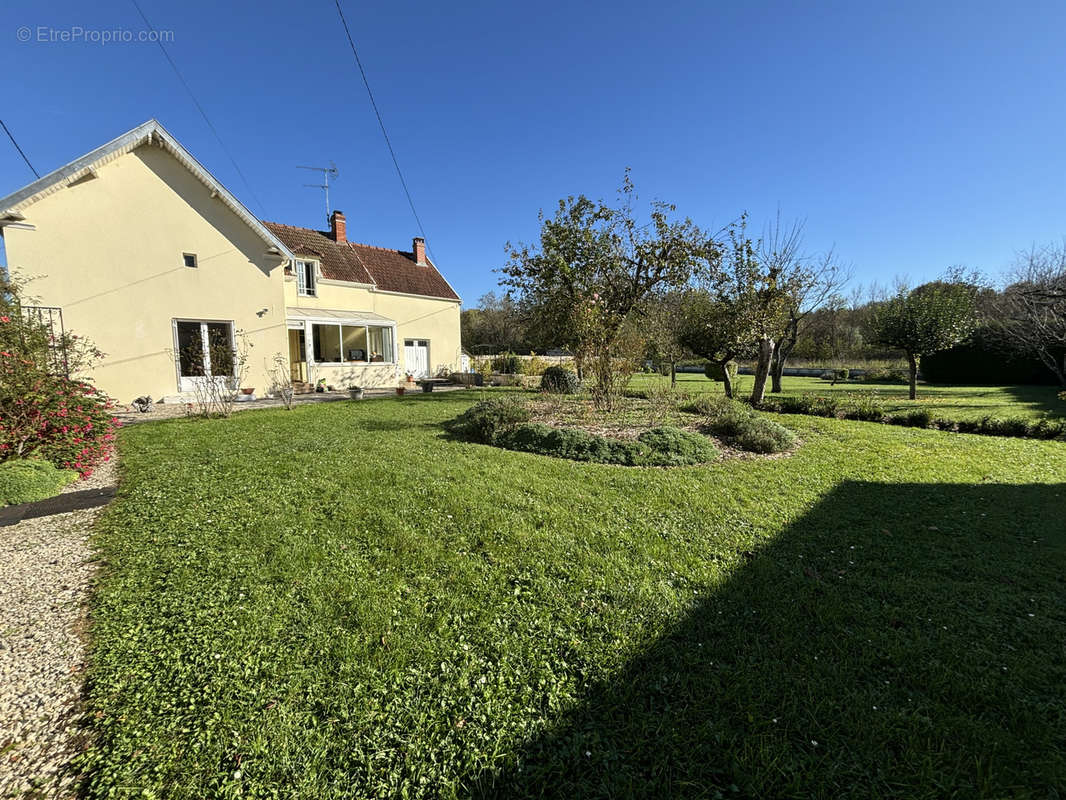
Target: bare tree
x: 1030, y: 313
x: 805, y: 284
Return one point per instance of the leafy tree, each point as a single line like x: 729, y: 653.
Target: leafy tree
x: 594, y: 266
x: 663, y: 325
x: 739, y: 310
x: 496, y: 325
x: 930, y: 318
x: 715, y: 327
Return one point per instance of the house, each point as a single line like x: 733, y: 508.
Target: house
x: 146, y: 254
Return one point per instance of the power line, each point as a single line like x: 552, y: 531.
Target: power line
x: 381, y: 122
x: 200, y: 108
x: 24, y: 158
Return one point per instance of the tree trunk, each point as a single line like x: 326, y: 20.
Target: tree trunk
x: 673, y: 374
x: 727, y: 381
x: 777, y: 368
x: 762, y: 370
x: 782, y: 350
x: 913, y: 361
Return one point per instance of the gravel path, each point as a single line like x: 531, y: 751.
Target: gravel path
x: 45, y: 570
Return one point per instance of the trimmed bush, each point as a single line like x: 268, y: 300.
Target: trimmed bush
x: 559, y: 380
x: 659, y: 447
x: 715, y: 371
x: 486, y: 421
x: 762, y: 435
x: 31, y: 479
x: 680, y: 447
x: 743, y: 428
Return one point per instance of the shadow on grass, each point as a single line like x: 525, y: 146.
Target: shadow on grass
x: 898, y: 640
x: 1042, y: 398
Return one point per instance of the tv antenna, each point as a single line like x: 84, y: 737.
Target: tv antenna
x: 327, y: 173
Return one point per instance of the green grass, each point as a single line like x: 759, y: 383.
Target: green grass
x: 340, y: 602
x: 951, y: 402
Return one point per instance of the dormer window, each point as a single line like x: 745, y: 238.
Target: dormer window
x: 305, y: 278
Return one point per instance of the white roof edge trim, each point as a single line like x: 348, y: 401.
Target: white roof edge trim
x: 456, y: 299
x: 149, y: 132
x: 430, y: 262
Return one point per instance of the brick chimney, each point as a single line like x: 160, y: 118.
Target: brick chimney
x: 337, y: 227
x: 419, y: 248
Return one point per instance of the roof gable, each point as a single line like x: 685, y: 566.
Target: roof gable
x: 148, y: 133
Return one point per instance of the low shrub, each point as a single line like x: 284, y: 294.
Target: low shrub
x: 658, y: 447
x: 763, y: 435
x: 885, y: 375
x: 488, y: 420
x: 715, y: 371
x: 681, y: 447
x: 31, y: 479
x: 862, y: 406
x: 915, y: 418
x: 743, y: 428
x: 559, y: 380
x: 812, y: 405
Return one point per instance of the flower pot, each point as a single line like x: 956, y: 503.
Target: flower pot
x: 400, y: 390
x: 248, y: 391
x: 427, y: 386
x: 355, y: 392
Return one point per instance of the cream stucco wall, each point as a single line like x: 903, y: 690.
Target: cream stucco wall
x: 434, y: 320
x: 108, y: 251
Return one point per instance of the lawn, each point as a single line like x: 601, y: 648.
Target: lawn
x: 340, y: 602
x: 951, y: 402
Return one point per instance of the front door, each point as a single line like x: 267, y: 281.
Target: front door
x: 416, y: 357
x: 297, y: 357
x: 206, y: 353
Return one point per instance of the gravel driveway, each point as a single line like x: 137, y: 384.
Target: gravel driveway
x: 46, y: 567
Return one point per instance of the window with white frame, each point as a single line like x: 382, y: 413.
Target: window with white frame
x: 305, y: 277
x: 204, y: 349
x: 359, y: 344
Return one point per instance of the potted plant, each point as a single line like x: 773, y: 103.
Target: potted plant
x: 320, y: 385
x: 248, y: 391
x: 355, y: 392
x: 410, y: 382
x: 400, y: 390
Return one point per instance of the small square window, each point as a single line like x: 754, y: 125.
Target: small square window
x: 190, y: 259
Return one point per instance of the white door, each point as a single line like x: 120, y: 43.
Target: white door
x: 416, y: 357
x: 205, y: 352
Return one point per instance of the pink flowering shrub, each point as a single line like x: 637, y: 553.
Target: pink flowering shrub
x: 66, y: 421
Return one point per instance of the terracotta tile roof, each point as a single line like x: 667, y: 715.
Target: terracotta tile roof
x: 388, y: 270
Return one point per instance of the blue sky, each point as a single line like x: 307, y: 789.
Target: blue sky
x: 911, y: 136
